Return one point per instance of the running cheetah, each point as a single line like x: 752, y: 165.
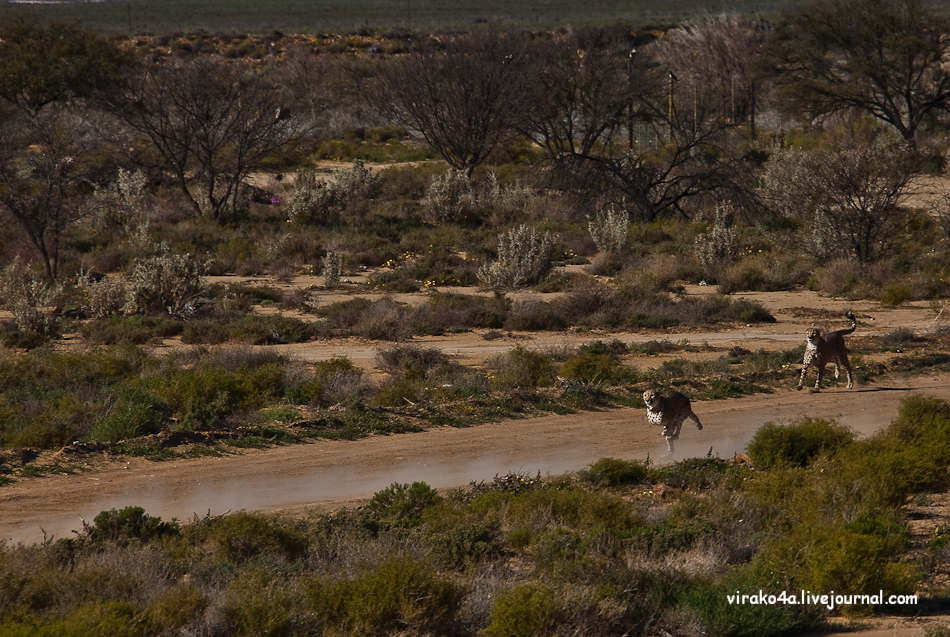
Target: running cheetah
x: 670, y: 411
x: 821, y: 350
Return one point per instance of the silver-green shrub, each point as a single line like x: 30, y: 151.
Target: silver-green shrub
x: 103, y: 297
x: 319, y: 200
x: 720, y: 244
x: 453, y: 197
x: 166, y: 282
x: 332, y: 269
x: 29, y: 296
x: 524, y: 257
x: 121, y: 206
x: 608, y: 229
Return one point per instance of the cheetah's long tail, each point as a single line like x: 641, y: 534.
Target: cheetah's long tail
x: 854, y: 322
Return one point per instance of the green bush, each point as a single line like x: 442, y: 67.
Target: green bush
x: 445, y: 312
x: 611, y: 472
x: 796, y: 444
x: 401, y: 596
x: 335, y: 381
x: 129, y: 523
x: 522, y: 368
x: 399, y: 505
x: 895, y: 294
x: 256, y: 606
x: 134, y: 412
x: 175, y: 608
x: 130, y: 330
x: 597, y: 368
x: 242, y: 536
x: 113, y: 618
x: 709, y: 602
x: 694, y: 473
x: 524, y: 611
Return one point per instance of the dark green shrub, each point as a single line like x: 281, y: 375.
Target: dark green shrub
x: 597, y: 368
x: 710, y: 604
x: 394, y: 281
x: 175, y: 608
x: 522, y: 368
x: 895, y: 294
x: 134, y: 412
x: 524, y: 611
x: 468, y: 544
x: 130, y: 330
x: 694, y: 473
x: 411, y: 361
x: 113, y: 618
x: 536, y: 315
x: 398, y: 392
x: 255, y: 605
x: 335, y: 381
x: 611, y: 472
x: 446, y: 312
x: 242, y: 536
x: 399, y: 505
x: 796, y: 444
x: 401, y: 596
x: 129, y: 523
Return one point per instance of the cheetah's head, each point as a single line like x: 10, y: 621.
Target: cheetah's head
x: 650, y: 397
x: 812, y: 334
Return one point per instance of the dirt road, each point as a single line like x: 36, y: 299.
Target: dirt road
x: 328, y: 473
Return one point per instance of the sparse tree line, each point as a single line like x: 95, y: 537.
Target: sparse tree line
x: 639, y: 126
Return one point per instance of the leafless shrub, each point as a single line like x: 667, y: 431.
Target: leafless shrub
x: 211, y: 121
x: 524, y: 256
x: 29, y: 297
x: 848, y: 196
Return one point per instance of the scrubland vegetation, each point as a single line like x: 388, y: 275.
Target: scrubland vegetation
x: 620, y: 548
x: 177, y: 206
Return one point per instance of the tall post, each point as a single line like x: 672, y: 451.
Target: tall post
x: 669, y: 108
x: 630, y: 55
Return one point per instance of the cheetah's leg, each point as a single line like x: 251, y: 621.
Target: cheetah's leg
x: 801, y: 379
x: 821, y: 375
x: 847, y: 368
x: 695, y: 419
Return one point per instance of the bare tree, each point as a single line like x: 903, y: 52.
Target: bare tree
x: 579, y: 94
x: 716, y: 61
x: 881, y: 57
x: 847, y: 195
x: 211, y: 121
x: 41, y: 179
x: 460, y: 98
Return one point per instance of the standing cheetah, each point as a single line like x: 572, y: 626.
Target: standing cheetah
x: 821, y: 350
x: 670, y: 411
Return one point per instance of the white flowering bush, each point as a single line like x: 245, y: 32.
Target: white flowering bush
x: 720, y: 244
x: 524, y: 257
x: 166, y: 282
x: 608, y: 229
x: 29, y: 296
x: 317, y: 200
x: 453, y: 197
x: 103, y: 297
x: 121, y: 206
